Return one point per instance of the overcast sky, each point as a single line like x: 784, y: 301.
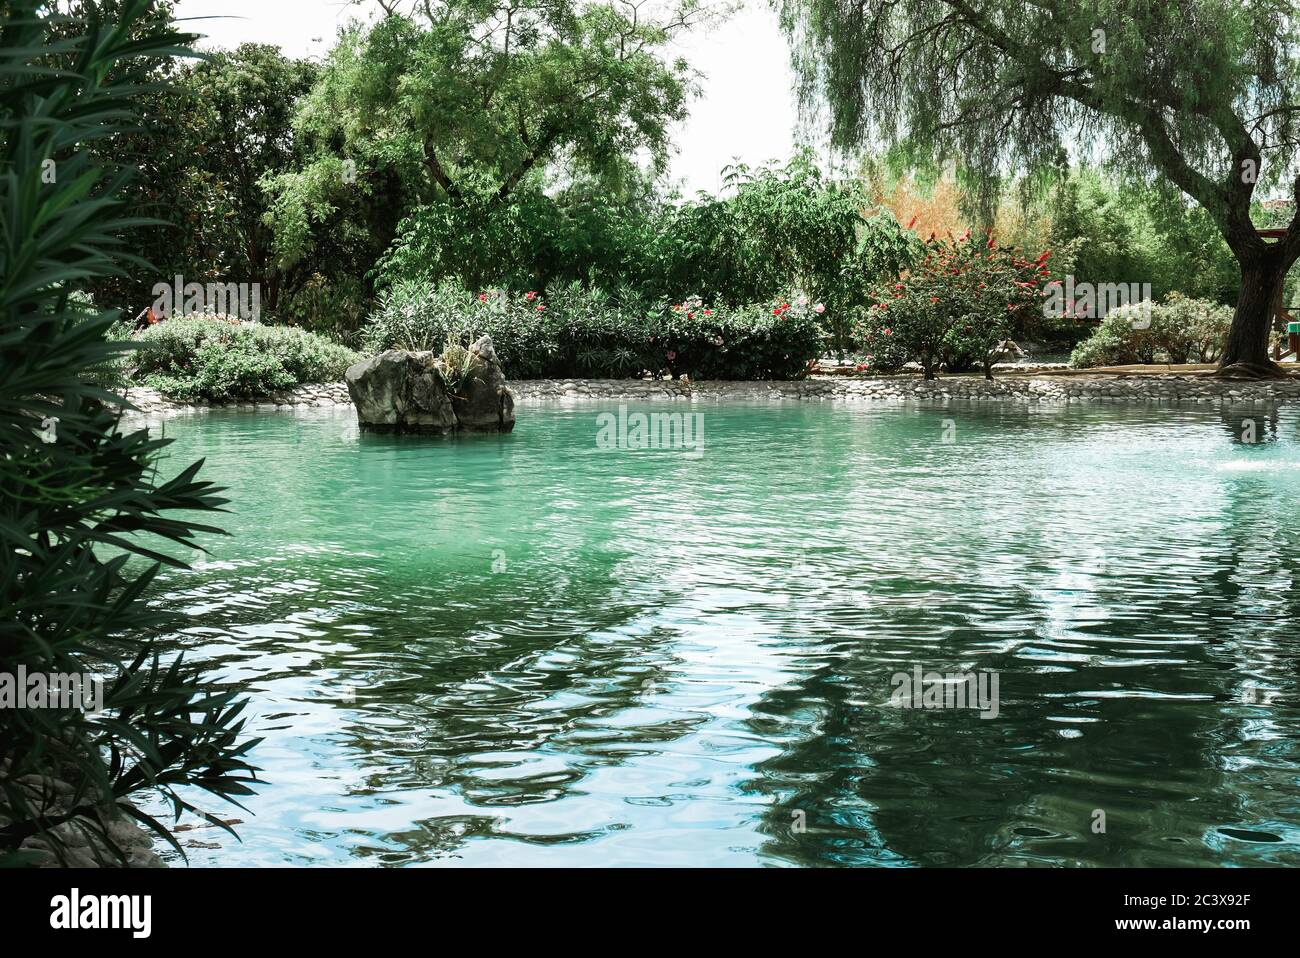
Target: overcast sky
x: 747, y: 109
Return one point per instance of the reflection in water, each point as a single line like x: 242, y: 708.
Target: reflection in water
x: 526, y: 650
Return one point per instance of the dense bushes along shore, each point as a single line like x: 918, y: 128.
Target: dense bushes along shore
x: 571, y: 332
x: 216, y: 358
x: 575, y: 332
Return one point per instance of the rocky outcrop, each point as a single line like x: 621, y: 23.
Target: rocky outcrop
x: 401, y: 391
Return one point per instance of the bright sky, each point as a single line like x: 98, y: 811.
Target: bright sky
x: 747, y: 109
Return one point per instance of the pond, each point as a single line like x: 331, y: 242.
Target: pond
x: 536, y: 650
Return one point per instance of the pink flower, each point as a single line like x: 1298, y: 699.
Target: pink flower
x: 541, y: 307
x: 482, y: 297
x: 530, y: 295
x: 819, y: 308
x: 671, y: 355
x: 888, y: 331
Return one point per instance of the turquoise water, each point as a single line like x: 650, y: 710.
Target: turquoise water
x: 530, y: 650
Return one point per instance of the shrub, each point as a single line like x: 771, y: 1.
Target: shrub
x: 777, y: 228
x: 884, y: 352
x: 216, y: 359
x: 1179, y: 330
x: 575, y: 332
x: 330, y: 308
x: 86, y: 514
x: 962, y: 298
x: 774, y: 340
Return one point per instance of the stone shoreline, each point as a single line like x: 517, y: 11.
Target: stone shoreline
x: 1031, y: 389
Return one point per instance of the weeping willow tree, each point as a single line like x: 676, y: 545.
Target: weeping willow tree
x: 1198, y: 93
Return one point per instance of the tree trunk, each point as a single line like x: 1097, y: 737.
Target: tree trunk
x: 1246, y: 351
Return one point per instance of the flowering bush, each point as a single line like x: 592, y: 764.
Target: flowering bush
x: 959, y: 301
x: 775, y: 340
x: 569, y: 332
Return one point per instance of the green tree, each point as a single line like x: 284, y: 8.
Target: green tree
x: 82, y: 502
x: 785, y: 227
x: 208, y: 134
x: 1202, y: 93
x: 1104, y: 231
x: 467, y: 102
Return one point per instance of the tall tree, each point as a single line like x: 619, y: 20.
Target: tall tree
x: 1202, y: 93
x: 465, y: 102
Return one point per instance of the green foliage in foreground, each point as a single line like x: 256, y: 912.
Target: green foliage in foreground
x: 82, y: 502
x: 573, y: 332
x: 1179, y: 330
x: 215, y: 359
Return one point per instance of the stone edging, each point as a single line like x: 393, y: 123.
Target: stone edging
x: 1033, y: 389
x: 1062, y: 389
x: 149, y: 401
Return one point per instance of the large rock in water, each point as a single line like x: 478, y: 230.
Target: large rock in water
x: 400, y: 391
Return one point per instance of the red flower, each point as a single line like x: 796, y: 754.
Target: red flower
x: 888, y: 331
x: 530, y: 295
x: 541, y: 307
x: 482, y: 297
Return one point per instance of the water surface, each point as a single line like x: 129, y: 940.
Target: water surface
x: 528, y: 650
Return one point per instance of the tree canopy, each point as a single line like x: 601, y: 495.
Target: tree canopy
x: 464, y: 101
x: 1202, y: 93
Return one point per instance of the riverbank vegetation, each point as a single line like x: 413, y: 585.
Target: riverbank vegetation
x: 421, y: 163
x: 422, y: 179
